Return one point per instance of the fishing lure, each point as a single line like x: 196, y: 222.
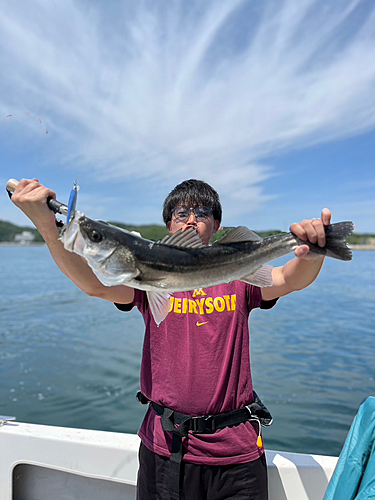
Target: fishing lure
x: 56, y: 206
x: 72, y: 203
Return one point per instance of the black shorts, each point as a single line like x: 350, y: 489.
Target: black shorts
x: 202, y: 482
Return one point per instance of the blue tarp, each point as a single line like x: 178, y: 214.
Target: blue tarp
x: 354, y: 476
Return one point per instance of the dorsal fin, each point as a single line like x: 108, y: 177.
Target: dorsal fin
x: 187, y: 239
x: 240, y: 233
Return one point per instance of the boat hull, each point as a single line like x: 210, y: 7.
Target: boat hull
x: 43, y: 460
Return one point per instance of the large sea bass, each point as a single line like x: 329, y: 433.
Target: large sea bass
x: 180, y: 262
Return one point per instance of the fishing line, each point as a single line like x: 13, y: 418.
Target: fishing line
x: 25, y: 115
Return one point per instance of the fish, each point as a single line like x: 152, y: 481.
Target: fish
x: 181, y: 262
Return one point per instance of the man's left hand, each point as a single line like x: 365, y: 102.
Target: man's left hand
x: 313, y: 231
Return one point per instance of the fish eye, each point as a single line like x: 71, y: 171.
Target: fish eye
x: 95, y: 236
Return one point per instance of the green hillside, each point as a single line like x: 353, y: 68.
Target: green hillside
x: 155, y: 232
x: 8, y: 231
x: 151, y: 232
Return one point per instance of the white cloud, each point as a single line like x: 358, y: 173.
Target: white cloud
x: 166, y: 89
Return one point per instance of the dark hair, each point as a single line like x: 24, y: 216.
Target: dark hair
x: 192, y: 193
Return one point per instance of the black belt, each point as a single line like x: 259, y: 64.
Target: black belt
x: 180, y: 424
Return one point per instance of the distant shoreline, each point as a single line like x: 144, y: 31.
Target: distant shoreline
x: 41, y: 244
x: 362, y: 247
x: 13, y: 244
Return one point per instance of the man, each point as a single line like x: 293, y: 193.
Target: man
x: 196, y: 363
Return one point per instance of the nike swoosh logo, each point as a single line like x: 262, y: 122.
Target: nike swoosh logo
x: 201, y: 324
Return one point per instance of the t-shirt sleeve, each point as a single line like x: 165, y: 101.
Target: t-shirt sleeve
x: 268, y: 304
x: 140, y: 301
x: 257, y: 301
x: 125, y: 307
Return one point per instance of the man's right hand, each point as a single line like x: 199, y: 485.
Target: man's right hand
x: 31, y: 197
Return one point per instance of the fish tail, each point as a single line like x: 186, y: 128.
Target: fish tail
x: 336, y: 245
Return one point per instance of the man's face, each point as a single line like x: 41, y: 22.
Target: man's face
x: 194, y: 217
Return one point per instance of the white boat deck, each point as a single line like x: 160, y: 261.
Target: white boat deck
x: 42, y: 462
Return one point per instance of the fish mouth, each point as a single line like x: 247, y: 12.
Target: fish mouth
x: 71, y: 232
x: 75, y: 239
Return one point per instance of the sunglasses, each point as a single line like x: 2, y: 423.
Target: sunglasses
x: 181, y: 214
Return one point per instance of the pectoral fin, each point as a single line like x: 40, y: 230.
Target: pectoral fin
x: 261, y: 278
x: 159, y: 304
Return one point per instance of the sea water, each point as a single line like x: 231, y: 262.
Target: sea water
x: 67, y: 359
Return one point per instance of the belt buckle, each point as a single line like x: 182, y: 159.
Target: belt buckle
x: 199, y: 424
x: 252, y: 415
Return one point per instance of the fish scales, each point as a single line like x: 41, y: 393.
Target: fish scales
x: 183, y: 269
x: 181, y: 262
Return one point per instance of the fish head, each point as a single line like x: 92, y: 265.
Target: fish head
x: 70, y: 232
x: 99, y: 243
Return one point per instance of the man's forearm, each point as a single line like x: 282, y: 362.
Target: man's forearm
x: 31, y: 197
x: 299, y: 274
x: 295, y: 275
x: 77, y: 270
x: 74, y: 267
x: 71, y: 264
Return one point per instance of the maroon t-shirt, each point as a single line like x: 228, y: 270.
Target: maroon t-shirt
x: 197, y: 362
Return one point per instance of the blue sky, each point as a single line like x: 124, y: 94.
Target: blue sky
x: 271, y: 102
